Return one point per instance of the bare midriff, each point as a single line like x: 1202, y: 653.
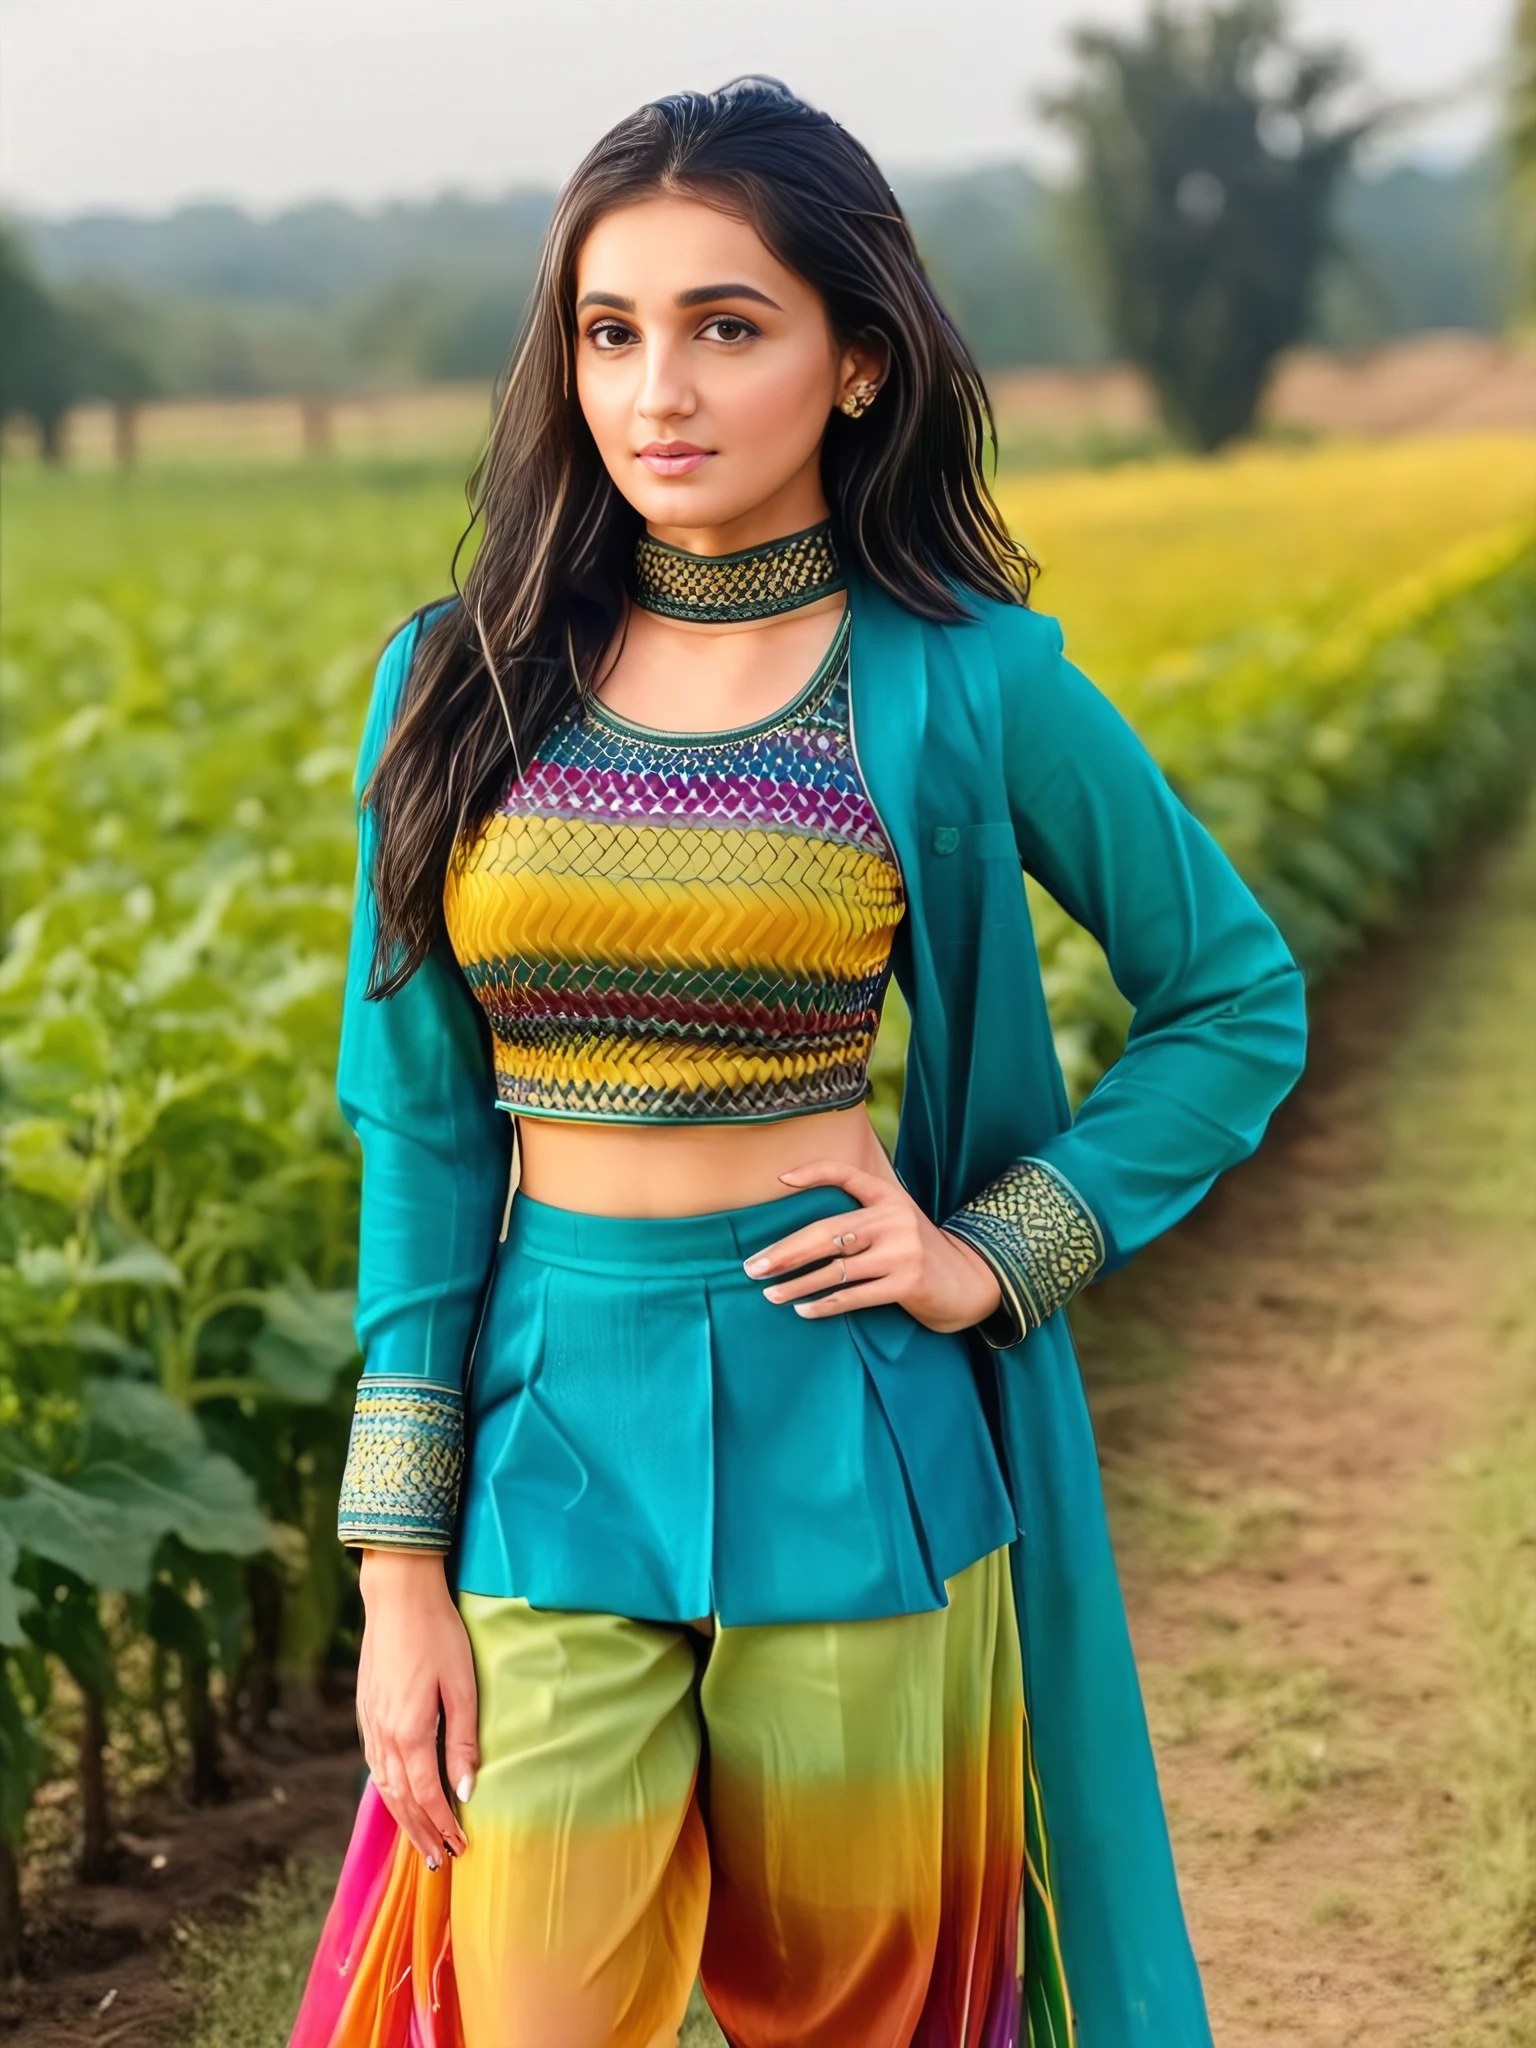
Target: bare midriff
x: 686, y: 1170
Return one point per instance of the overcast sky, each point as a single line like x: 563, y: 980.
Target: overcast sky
x: 143, y: 104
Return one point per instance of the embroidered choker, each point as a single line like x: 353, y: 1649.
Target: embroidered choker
x: 778, y: 576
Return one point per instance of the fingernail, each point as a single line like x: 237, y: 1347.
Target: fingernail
x: 802, y: 1308
x: 772, y: 1294
x: 757, y: 1266
x: 466, y: 1784
x: 431, y: 1863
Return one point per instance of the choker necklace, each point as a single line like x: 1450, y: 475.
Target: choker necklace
x: 777, y: 576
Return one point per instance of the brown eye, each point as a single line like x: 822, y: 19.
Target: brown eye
x: 740, y: 328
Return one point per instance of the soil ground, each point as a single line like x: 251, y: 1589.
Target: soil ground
x: 1298, y: 1396
x: 1290, y: 1394
x: 103, y: 1962
x: 1428, y: 383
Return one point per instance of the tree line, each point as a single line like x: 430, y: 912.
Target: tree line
x: 1216, y: 217
x: 59, y: 347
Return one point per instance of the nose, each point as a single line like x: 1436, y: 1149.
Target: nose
x: 666, y: 387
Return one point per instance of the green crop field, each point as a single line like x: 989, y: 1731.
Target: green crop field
x: 1333, y: 653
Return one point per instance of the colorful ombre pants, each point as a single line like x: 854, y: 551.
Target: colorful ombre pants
x: 824, y: 1820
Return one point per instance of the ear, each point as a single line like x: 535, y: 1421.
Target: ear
x: 864, y: 361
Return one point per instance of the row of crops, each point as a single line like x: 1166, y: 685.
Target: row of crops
x: 185, y: 665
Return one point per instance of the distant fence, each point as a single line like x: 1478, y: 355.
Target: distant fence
x: 437, y: 420
x: 1433, y: 382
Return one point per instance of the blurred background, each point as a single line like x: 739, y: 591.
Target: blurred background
x: 1254, y: 289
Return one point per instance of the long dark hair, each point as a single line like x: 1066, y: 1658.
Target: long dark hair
x: 544, y: 595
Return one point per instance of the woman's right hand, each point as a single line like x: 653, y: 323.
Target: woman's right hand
x: 415, y: 1667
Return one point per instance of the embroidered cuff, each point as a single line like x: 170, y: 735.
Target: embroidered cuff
x: 400, y: 1490
x: 1041, y: 1240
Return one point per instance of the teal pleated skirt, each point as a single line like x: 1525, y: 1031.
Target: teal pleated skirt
x: 648, y: 1436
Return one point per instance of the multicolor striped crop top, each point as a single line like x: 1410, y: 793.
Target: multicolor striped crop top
x: 682, y: 927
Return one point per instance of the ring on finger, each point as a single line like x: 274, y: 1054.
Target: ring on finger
x: 842, y: 1278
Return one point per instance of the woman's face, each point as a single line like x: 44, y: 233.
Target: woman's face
x: 707, y: 372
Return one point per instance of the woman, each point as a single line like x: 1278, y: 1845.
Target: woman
x: 739, y: 1601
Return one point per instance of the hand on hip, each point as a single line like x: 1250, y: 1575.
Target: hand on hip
x: 886, y: 1250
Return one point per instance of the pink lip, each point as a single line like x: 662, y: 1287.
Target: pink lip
x: 673, y: 458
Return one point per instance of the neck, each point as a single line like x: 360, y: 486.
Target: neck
x: 787, y: 511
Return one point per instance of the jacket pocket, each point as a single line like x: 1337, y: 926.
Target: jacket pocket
x: 992, y: 840
x: 972, y: 878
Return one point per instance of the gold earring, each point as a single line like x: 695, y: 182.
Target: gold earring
x: 859, y: 400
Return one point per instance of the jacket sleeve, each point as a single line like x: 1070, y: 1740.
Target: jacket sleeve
x: 414, y: 1080
x: 1218, y: 1031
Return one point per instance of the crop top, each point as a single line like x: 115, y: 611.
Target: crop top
x: 682, y: 927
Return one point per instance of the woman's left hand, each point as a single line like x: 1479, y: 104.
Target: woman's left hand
x: 885, y: 1250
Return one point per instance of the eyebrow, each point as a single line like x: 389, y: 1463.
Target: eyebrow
x: 700, y: 295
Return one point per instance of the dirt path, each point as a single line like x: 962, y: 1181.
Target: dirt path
x: 1283, y: 1394
x: 104, y: 1958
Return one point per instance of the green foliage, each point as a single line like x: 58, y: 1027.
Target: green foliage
x: 1210, y: 154
x: 144, y: 1472
x: 178, y: 1212
x: 1335, y: 769
x: 23, y: 1697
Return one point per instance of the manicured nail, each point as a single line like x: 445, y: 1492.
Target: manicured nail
x: 466, y: 1784
x: 772, y: 1294
x: 758, y: 1265
x: 803, y: 1308
x: 431, y: 1863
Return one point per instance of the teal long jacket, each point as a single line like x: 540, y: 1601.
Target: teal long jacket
x: 985, y: 752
